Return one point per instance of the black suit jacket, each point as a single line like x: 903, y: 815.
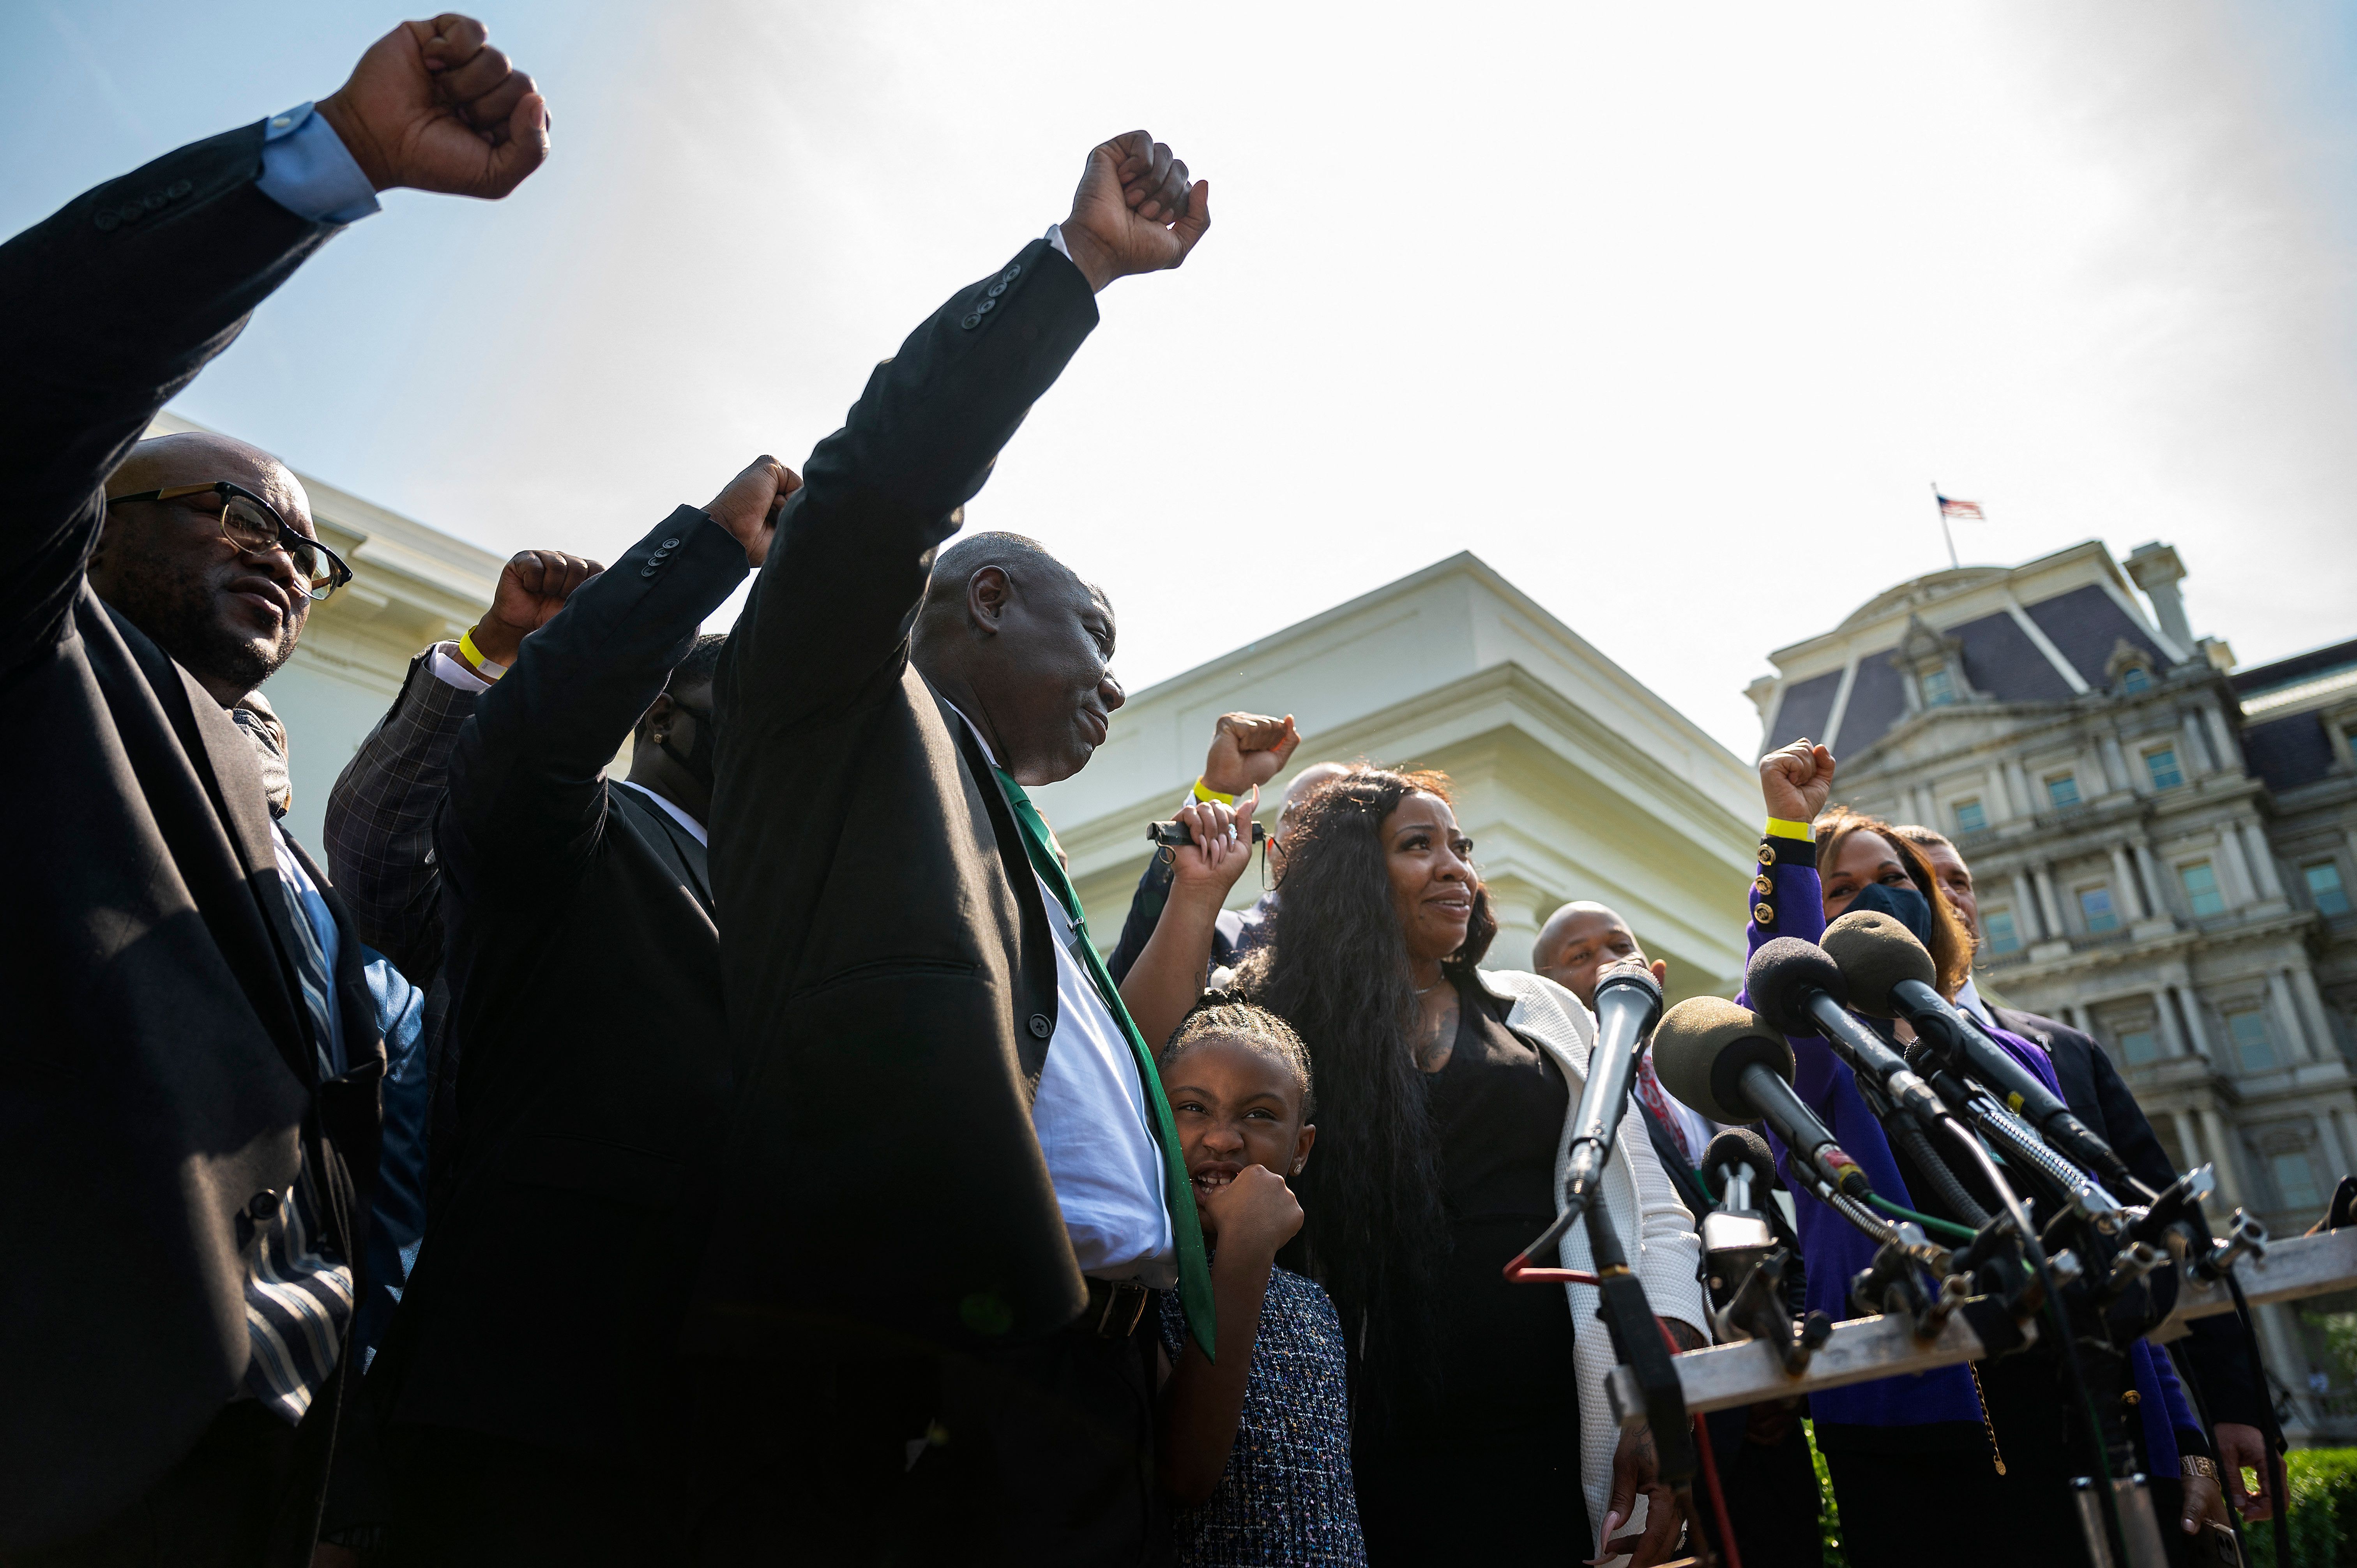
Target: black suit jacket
x: 885, y: 945
x: 155, y: 1066
x: 585, y: 976
x: 2094, y: 1090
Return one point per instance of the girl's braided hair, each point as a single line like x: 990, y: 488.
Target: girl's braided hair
x: 1226, y: 1015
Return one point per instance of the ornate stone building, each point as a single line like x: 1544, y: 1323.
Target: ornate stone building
x: 2166, y: 850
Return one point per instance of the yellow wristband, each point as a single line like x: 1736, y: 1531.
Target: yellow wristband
x: 1205, y: 792
x: 474, y: 659
x: 1778, y: 828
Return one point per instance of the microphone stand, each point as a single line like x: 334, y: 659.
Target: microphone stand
x: 1639, y: 1344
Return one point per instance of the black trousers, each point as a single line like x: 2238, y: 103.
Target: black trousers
x: 246, y: 1495
x: 1771, y: 1487
x: 465, y: 1498
x: 1041, y: 1454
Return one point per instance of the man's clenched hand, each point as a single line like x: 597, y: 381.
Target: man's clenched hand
x: 432, y: 106
x: 1136, y: 210
x: 748, y: 505
x: 1248, y: 749
x: 533, y: 586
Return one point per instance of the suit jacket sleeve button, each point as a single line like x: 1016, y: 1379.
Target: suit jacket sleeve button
x: 995, y: 290
x: 177, y: 188
x: 106, y: 220
x: 1014, y: 270
x: 972, y: 320
x: 671, y: 545
x: 646, y: 570
x: 985, y: 307
x: 1040, y: 1027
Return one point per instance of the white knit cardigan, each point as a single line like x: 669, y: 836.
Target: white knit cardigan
x: 1656, y: 1231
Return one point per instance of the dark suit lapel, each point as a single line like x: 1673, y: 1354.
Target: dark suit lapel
x: 1037, y: 957
x: 677, y: 846
x: 257, y: 950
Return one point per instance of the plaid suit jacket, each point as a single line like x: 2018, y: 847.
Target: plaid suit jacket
x: 379, y: 840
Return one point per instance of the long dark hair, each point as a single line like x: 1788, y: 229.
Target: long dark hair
x: 1951, y: 944
x: 1337, y: 969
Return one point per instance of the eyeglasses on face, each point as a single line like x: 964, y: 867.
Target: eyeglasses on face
x: 254, y: 526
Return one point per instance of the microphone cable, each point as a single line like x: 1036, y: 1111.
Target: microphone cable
x: 2035, y: 1255
x: 2278, y: 1472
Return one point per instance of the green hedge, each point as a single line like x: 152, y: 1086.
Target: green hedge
x: 2323, y: 1513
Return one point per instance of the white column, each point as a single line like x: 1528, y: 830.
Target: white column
x: 2173, y: 1038
x: 2312, y: 1003
x: 2262, y: 860
x: 2116, y: 764
x: 2228, y: 1158
x: 2189, y: 1146
x: 2155, y: 896
x: 2195, y: 1029
x: 2287, y: 1013
x: 2124, y: 878
x: 2221, y: 743
x: 2025, y: 903
x: 2000, y: 804
x: 2329, y: 1145
x: 2341, y: 1127
x: 2024, y: 801
x: 2047, y: 907
x: 2242, y: 889
x: 1926, y: 813
x: 2197, y: 750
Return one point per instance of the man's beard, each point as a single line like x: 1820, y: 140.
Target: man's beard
x: 180, y: 612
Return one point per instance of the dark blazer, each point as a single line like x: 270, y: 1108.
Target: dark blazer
x: 2093, y: 1088
x: 155, y: 1067
x: 585, y: 977
x: 885, y: 946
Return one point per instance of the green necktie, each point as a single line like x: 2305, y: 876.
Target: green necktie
x: 1194, y: 1269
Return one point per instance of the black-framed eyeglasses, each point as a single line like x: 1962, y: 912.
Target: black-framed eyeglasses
x: 254, y: 526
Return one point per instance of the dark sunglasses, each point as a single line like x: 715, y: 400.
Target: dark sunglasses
x: 254, y: 526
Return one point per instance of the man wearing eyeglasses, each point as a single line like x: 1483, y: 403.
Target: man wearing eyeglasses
x: 190, y: 1063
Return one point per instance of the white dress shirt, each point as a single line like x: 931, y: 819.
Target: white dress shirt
x: 1092, y: 1123
x: 1970, y: 1001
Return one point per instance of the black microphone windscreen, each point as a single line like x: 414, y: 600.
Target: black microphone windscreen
x: 1782, y: 975
x: 1875, y: 952
x: 1701, y: 1048
x: 1742, y: 1146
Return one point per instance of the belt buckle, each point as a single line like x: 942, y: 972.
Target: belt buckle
x: 1135, y: 1295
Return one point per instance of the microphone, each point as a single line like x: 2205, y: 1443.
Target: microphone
x: 1889, y: 974
x: 1800, y: 991
x: 1727, y: 1063
x: 1739, y: 1158
x: 1628, y: 1000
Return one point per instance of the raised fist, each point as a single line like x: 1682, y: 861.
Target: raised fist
x: 532, y: 586
x: 1796, y: 781
x: 432, y: 106
x: 1255, y: 1212
x: 1248, y: 749
x: 1136, y: 210
x: 747, y: 506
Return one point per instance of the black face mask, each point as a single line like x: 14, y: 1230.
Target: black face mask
x: 1901, y: 902
x: 696, y: 760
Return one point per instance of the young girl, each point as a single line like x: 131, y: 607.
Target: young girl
x: 1256, y: 1448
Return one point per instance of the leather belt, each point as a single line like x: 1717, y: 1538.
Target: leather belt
x: 1115, y: 1309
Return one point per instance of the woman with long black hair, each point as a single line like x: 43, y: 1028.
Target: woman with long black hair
x: 1446, y: 1093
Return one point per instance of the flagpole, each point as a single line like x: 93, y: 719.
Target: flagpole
x: 1953, y: 565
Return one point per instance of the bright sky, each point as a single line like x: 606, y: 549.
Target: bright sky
x: 1672, y: 315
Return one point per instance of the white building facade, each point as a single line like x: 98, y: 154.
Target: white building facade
x: 2162, y: 849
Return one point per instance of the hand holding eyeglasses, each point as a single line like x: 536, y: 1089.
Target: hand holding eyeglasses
x: 432, y: 106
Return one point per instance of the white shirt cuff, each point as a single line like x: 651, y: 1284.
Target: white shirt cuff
x: 306, y: 169
x: 1055, y: 238
x: 451, y: 670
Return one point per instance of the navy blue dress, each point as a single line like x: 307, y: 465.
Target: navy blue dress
x: 1286, y: 1497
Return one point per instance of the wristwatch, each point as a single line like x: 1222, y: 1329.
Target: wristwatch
x: 2196, y: 1464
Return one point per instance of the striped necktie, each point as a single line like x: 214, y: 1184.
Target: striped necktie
x: 1186, y: 1229
x: 298, y: 1292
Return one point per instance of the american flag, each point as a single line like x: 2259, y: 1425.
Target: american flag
x: 1970, y: 511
